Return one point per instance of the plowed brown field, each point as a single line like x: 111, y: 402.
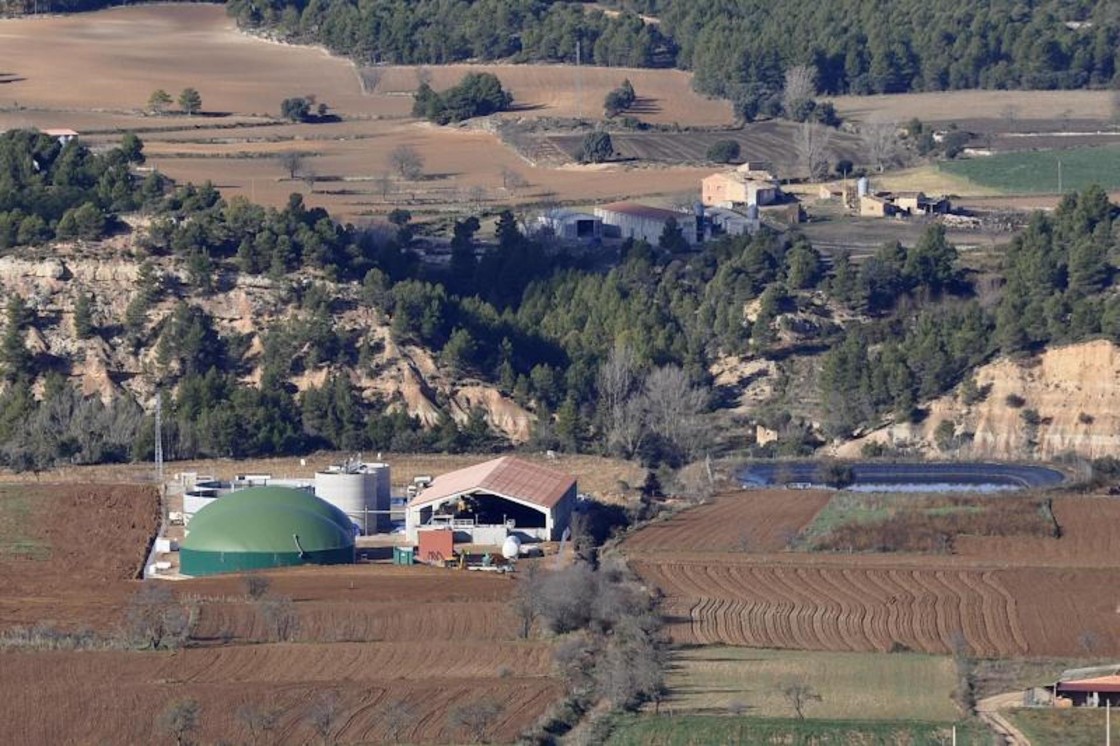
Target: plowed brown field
x: 99, y: 697
x: 1007, y: 597
x: 91, y: 544
x: 402, y: 648
x: 742, y: 521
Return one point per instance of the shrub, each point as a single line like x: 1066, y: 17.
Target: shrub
x: 1014, y: 401
x: 476, y: 95
x: 597, y: 148
x: 620, y: 99
x: 724, y: 151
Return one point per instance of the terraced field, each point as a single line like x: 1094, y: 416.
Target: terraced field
x: 998, y: 597
x: 832, y: 608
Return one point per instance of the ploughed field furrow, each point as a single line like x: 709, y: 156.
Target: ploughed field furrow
x: 325, y: 621
x: 833, y: 608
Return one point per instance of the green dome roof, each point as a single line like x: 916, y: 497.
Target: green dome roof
x: 269, y: 519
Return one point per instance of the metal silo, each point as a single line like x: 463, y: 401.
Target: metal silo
x: 360, y: 490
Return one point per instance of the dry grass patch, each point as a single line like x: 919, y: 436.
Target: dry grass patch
x: 872, y: 686
x: 609, y: 480
x: 956, y: 105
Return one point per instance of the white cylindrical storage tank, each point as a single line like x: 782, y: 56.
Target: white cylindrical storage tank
x: 511, y: 547
x: 383, y: 496
x: 863, y: 187
x: 352, y: 493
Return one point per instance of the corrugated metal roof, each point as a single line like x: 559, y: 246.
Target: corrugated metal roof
x: 634, y: 210
x: 1090, y: 672
x: 508, y: 476
x: 1100, y: 684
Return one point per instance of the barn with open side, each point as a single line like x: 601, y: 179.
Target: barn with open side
x: 266, y: 527
x: 486, y: 502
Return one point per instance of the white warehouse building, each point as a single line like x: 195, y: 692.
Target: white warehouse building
x: 487, y: 502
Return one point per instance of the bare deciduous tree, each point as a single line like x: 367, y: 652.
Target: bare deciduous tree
x: 180, y: 720
x: 258, y: 721
x: 280, y: 618
x: 880, y: 142
x: 323, y: 715
x: 406, y: 161
x: 526, y: 599
x: 371, y: 78
x: 292, y: 161
x: 814, y: 143
x: 618, y: 381
x: 476, y: 718
x: 512, y: 180
x: 257, y: 585
x: 423, y: 76
x: 799, y: 695
x: 155, y: 619
x: 384, y: 186
x: 800, y: 86
x: 674, y: 409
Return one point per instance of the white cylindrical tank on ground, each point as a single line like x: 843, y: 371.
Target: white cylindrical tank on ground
x: 863, y: 187
x: 511, y: 547
x: 361, y: 493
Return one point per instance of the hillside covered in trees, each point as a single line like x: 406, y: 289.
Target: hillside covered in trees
x: 617, y: 358
x: 739, y: 49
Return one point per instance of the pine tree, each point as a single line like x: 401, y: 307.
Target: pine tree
x: 83, y: 316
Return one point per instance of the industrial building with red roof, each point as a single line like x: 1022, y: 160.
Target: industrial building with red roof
x: 486, y: 502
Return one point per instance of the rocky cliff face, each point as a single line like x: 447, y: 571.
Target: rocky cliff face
x: 1065, y: 400
x: 405, y: 376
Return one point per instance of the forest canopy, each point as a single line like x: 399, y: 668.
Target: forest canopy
x: 739, y: 49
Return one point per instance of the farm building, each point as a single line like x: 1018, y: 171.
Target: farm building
x: 63, y: 136
x: 487, y: 502
x: 631, y: 220
x: 731, y: 223
x: 571, y: 225
x: 1089, y: 687
x: 875, y: 206
x: 917, y: 203
x: 265, y: 527
x: 747, y: 185
x: 887, y: 204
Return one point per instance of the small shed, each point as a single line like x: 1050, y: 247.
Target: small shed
x: 437, y: 545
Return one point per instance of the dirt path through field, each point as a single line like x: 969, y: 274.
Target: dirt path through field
x: 989, y: 711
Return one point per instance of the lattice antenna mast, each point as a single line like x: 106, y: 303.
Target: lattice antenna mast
x: 159, y: 436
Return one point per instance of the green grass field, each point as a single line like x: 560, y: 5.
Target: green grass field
x: 689, y: 730
x: 1077, y: 727
x: 1037, y: 172
x: 874, y: 686
x: 15, y: 519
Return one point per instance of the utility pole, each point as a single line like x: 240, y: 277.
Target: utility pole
x: 579, y: 82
